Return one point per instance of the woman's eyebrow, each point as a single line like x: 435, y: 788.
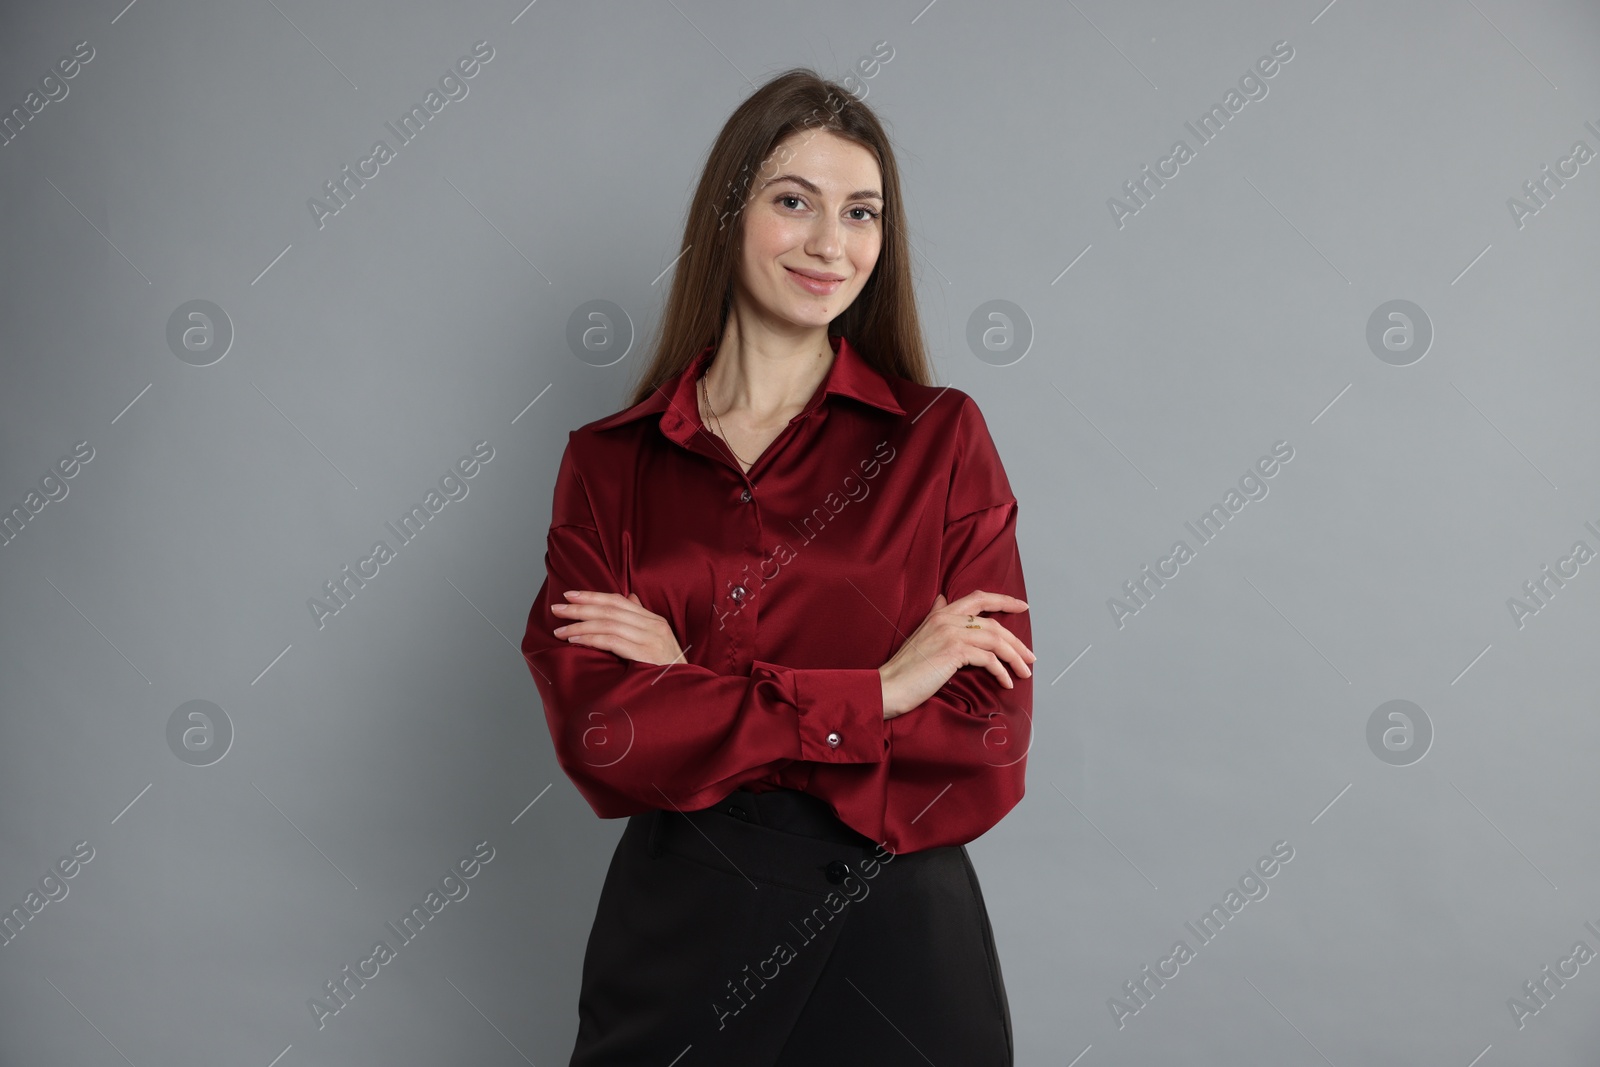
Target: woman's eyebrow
x: 859, y: 194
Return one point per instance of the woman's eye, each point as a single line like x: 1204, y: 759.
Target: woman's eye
x: 786, y: 198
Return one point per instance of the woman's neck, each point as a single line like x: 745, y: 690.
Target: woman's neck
x: 765, y: 384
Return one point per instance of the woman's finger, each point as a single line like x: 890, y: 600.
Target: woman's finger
x: 641, y: 638
x: 592, y: 597
x: 584, y: 612
x: 1000, y: 631
x: 607, y: 642
x: 992, y: 663
x: 592, y: 609
x: 1000, y: 643
x: 979, y: 601
x: 1015, y: 643
x: 622, y: 628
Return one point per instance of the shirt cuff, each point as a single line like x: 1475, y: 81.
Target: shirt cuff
x: 839, y: 711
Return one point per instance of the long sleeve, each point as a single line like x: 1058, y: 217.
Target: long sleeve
x: 633, y: 736
x: 957, y: 761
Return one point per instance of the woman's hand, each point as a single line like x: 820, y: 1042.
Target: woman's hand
x: 618, y: 624
x: 943, y: 644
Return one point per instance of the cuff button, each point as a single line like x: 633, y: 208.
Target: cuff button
x: 833, y: 740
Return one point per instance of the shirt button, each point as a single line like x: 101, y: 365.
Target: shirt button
x: 744, y: 497
x: 833, y: 740
x: 737, y: 593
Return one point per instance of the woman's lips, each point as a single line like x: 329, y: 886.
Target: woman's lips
x: 814, y: 285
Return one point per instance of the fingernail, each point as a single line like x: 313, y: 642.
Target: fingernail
x: 570, y: 593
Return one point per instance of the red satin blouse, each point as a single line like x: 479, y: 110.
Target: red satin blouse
x: 787, y: 587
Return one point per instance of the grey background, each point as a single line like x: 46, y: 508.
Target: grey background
x: 431, y: 313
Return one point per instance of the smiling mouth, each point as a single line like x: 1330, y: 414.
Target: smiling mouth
x: 814, y: 285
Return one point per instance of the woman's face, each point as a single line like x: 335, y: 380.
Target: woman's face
x: 815, y: 210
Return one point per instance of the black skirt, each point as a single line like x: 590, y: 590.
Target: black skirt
x: 764, y: 932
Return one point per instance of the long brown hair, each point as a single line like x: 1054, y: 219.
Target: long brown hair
x: 882, y: 323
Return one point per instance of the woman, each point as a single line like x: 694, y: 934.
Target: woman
x: 744, y: 642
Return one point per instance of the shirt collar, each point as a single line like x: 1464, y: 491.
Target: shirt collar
x: 678, y: 406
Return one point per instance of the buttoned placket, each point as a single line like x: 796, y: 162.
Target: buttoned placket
x: 738, y: 604
x: 737, y: 563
